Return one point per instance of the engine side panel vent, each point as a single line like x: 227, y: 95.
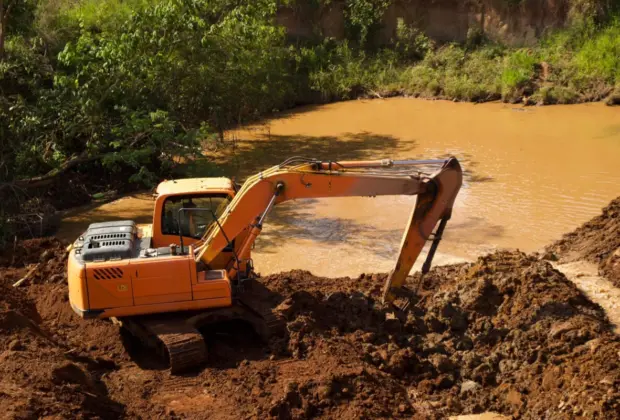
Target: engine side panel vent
x: 111, y: 236
x: 107, y: 273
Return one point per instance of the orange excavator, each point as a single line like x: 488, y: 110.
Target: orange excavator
x: 193, y: 267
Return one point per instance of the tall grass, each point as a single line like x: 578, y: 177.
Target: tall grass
x: 566, y: 67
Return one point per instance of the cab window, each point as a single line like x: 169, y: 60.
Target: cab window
x: 195, y: 223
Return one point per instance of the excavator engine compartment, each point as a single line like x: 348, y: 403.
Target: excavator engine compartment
x: 108, y: 241
x: 113, y: 241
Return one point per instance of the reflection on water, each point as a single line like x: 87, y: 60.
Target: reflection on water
x: 530, y: 176
x: 137, y: 207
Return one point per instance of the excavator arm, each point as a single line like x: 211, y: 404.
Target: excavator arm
x: 305, y: 178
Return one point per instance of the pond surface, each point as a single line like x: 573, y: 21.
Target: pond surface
x: 532, y: 174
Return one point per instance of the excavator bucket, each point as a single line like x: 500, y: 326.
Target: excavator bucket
x: 433, y: 205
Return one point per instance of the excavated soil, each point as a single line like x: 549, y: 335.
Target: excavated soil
x: 596, y: 241
x: 51, y: 363
x: 507, y: 334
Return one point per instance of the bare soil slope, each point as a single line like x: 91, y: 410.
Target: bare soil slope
x: 508, y: 334
x: 596, y: 241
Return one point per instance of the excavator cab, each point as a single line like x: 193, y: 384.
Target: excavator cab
x: 185, y: 209
x: 182, y: 216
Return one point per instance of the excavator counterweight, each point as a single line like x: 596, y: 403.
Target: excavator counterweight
x: 193, y: 265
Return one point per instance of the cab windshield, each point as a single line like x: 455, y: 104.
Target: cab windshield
x: 193, y: 223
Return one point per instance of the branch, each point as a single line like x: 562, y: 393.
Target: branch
x: 40, y: 181
x: 4, y: 14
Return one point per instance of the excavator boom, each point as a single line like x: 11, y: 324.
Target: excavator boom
x: 314, y: 179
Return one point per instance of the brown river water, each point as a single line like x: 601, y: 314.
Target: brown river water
x: 532, y: 174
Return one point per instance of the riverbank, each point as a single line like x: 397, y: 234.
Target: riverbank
x: 567, y: 67
x: 82, y: 113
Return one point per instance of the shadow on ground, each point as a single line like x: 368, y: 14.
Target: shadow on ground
x: 243, y: 157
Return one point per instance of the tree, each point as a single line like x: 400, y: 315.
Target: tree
x: 4, y: 17
x: 16, y: 15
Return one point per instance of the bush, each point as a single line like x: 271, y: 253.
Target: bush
x: 137, y: 93
x: 599, y: 57
x: 518, y: 74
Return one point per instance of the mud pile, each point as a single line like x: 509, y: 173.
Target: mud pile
x: 597, y: 241
x: 50, y: 362
x: 46, y: 257
x: 507, y: 334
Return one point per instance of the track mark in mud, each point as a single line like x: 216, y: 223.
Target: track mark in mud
x: 598, y: 289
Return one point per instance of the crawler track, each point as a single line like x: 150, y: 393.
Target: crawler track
x: 177, y: 337
x: 172, y: 337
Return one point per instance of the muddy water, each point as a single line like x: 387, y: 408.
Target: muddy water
x: 531, y: 175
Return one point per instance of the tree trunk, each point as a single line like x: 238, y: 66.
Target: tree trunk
x: 48, y: 178
x: 2, y: 29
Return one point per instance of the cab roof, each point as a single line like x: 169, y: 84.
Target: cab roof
x: 193, y: 185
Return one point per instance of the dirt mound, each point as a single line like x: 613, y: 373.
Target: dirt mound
x: 46, y: 257
x: 51, y: 362
x: 508, y: 334
x: 597, y: 241
x: 41, y: 374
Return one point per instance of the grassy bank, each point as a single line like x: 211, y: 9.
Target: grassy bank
x: 101, y: 93
x: 575, y: 65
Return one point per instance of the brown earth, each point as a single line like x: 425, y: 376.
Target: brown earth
x: 515, y: 23
x: 596, y: 241
x: 47, y: 367
x: 508, y: 334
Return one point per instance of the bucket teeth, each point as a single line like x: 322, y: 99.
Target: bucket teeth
x: 404, y: 298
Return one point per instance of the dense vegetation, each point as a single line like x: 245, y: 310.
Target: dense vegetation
x: 112, y: 90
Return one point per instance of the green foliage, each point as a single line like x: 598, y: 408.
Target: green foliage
x: 102, y: 15
x: 336, y: 72
x: 61, y: 21
x: 599, y: 57
x: 135, y: 93
x: 518, y: 72
x: 23, y: 74
x: 21, y: 16
x: 580, y: 63
x: 363, y: 17
x: 452, y: 72
x: 411, y: 44
x: 172, y: 57
x: 548, y: 95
